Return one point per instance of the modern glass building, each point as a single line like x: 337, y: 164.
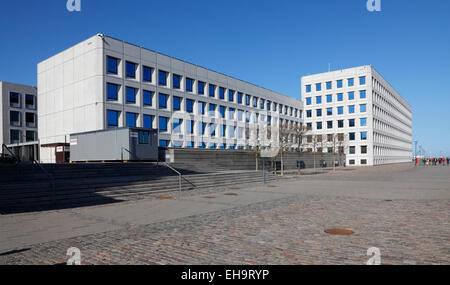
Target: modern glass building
x: 105, y: 83
x: 372, y: 122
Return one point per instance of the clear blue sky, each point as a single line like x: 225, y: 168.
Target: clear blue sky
x: 269, y: 43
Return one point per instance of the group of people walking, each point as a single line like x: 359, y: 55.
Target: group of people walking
x: 434, y: 161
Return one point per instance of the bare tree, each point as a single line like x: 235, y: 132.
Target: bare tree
x: 299, y: 133
x: 285, y: 132
x: 342, y: 145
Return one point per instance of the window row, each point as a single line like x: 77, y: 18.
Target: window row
x: 339, y: 97
x: 337, y: 124
x: 17, y: 136
x: 339, y: 84
x: 15, y: 100
x: 16, y: 119
x: 339, y: 111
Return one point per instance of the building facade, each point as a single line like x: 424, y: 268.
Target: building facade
x: 105, y: 83
x: 371, y: 120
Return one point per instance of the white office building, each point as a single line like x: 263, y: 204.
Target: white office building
x: 104, y: 82
x: 371, y: 118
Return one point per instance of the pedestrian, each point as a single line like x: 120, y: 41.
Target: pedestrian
x: 448, y: 160
x: 417, y: 160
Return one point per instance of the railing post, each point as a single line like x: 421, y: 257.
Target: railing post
x: 179, y: 182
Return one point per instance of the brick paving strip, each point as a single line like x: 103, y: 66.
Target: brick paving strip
x: 401, y: 210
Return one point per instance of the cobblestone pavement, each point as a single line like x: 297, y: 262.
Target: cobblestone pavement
x: 408, y: 222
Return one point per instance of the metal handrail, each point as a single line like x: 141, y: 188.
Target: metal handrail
x: 49, y: 175
x: 180, y: 176
x: 11, y: 153
x: 121, y: 152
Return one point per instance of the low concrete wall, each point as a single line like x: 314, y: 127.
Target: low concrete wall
x: 207, y: 159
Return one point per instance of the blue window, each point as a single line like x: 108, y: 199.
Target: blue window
x: 189, y: 84
x: 363, y: 108
x: 362, y: 80
x: 177, y: 125
x: 255, y: 102
x: 308, y: 88
x: 339, y: 84
x: 131, y: 69
x: 112, y: 91
x: 212, y: 90
x: 308, y: 113
x: 202, y: 128
x: 163, y: 143
x: 212, y: 110
x: 329, y: 98
x: 363, y: 122
x: 247, y: 116
x: 201, y: 88
x: 212, y: 146
x: 340, y: 123
x: 351, y: 95
x: 362, y: 94
x: 148, y: 121
x: 202, y: 145
x: 113, y: 118
x: 329, y: 124
x: 131, y: 95
x: 189, y: 106
x: 223, y: 130
x: 240, y: 97
x: 269, y: 104
x: 363, y: 136
x: 176, y: 103
x: 222, y: 111
x: 231, y: 132
x: 350, y: 82
x: 176, y: 84
x: 230, y: 95
x: 201, y: 107
x: 147, y: 97
x: 190, y: 127
x: 221, y: 93
x: 112, y: 64
x: 329, y: 111
x: 340, y: 110
x: 351, y: 123
x: 351, y: 109
x: 261, y: 104
x: 147, y: 74
x: 212, y: 130
x: 144, y: 137
x: 247, y: 100
x: 163, y: 101
x: 319, y: 125
x: 318, y: 86
x: 131, y: 120
x: 318, y: 112
x: 231, y: 113
x: 340, y: 97
x: 308, y: 101
x: 318, y: 99
x: 162, y: 78
x: 240, y: 115
x: 351, y: 136
x: 329, y: 85
x: 309, y: 125
x: 190, y: 144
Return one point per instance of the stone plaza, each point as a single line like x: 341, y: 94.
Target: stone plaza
x: 401, y: 209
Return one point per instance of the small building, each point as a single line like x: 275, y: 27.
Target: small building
x: 126, y: 144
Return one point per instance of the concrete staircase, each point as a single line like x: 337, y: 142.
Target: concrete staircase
x: 25, y: 187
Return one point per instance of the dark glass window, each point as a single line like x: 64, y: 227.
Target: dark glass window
x: 222, y: 111
x: 201, y: 88
x: 14, y: 100
x: 340, y: 97
x: 351, y: 109
x: 147, y: 74
x: 113, y: 118
x: 261, y: 104
x: 14, y: 118
x: 352, y: 149
x: 163, y: 143
x: 247, y: 100
x: 15, y: 136
x: 177, y: 103
x: 163, y: 121
x: 30, y: 120
x: 318, y: 99
x: 239, y: 97
x: 319, y: 125
x: 308, y: 101
x: 112, y: 92
x: 329, y: 124
x: 212, y: 130
x: 176, y: 84
x: 30, y: 136
x: 255, y: 102
x: 351, y: 122
x: 190, y: 127
x: 162, y: 78
x: 340, y: 110
x: 329, y: 111
x: 148, y: 96
x: 351, y: 136
x: 221, y: 93
x: 212, y: 110
x: 112, y: 65
x: 212, y: 90
x: 131, y: 120
x: 162, y: 101
x: 131, y: 69
x: 308, y: 113
x: 148, y: 121
x: 318, y: 112
x: 144, y: 137
x: 131, y: 94
x: 202, y: 128
x: 230, y: 95
x: 189, y: 105
x: 30, y: 101
x: 340, y: 123
x: 329, y: 98
x: 189, y: 84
